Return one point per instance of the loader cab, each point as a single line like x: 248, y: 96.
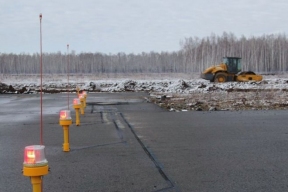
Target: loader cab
x: 233, y: 64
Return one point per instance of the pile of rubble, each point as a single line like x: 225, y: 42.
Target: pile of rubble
x: 223, y: 100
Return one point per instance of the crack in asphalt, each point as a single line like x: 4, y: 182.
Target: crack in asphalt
x: 152, y: 157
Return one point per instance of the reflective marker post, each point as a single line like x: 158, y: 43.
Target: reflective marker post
x: 65, y: 121
x: 35, y: 165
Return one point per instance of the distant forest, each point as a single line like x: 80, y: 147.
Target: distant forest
x: 264, y: 54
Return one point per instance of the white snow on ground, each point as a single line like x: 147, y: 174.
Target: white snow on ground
x: 181, y: 91
x: 167, y: 85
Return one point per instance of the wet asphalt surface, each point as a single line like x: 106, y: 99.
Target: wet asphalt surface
x: 126, y: 144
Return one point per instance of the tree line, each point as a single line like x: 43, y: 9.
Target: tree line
x: 266, y: 53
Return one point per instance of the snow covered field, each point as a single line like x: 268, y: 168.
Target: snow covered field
x: 176, y: 92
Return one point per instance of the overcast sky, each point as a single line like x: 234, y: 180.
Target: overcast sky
x: 131, y: 26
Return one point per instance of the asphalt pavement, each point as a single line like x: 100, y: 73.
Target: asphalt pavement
x: 126, y: 144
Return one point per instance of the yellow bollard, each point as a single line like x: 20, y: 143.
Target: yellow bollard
x: 36, y: 183
x: 35, y: 165
x: 66, y: 146
x: 65, y: 121
x: 77, y: 106
x: 81, y: 97
x: 84, y: 93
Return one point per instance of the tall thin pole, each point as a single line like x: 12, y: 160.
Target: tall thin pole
x: 68, y: 73
x: 41, y: 96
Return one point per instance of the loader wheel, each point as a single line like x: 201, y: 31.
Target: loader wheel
x: 220, y: 78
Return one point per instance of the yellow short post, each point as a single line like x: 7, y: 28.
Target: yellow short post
x: 66, y: 146
x: 35, y: 165
x: 77, y: 107
x: 36, y: 183
x: 84, y: 93
x: 82, y: 104
x: 65, y: 121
